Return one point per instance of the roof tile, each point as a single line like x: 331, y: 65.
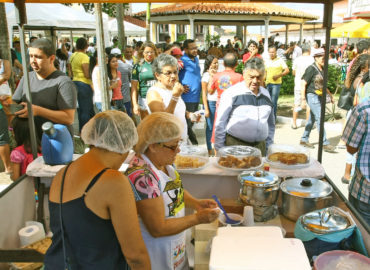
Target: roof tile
x: 229, y: 8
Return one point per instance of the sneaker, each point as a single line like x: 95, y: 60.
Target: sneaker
x: 329, y: 148
x: 345, y: 180
x: 306, y: 144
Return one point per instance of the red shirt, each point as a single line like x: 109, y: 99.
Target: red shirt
x: 225, y: 79
x: 117, y: 93
x: 248, y: 55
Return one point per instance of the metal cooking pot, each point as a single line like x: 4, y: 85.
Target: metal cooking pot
x: 303, y: 195
x: 259, y: 188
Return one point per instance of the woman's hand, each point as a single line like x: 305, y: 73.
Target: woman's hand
x: 207, y: 215
x: 206, y: 113
x: 136, y: 109
x: 178, y: 89
x: 205, y: 203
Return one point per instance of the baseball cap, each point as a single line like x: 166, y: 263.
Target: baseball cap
x: 176, y: 51
x: 318, y: 52
x: 115, y: 51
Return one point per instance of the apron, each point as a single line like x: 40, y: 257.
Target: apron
x: 168, y: 252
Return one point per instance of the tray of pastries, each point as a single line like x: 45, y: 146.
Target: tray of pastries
x: 191, y: 158
x: 239, y: 158
x: 285, y: 156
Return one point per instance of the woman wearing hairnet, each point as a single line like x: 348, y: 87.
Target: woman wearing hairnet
x: 92, y: 208
x: 160, y: 196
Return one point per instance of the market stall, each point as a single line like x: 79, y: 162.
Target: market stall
x: 19, y: 203
x: 205, y: 182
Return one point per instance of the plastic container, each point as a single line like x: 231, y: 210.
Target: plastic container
x: 285, y: 156
x: 341, y: 260
x: 191, y: 158
x: 222, y: 219
x: 239, y: 158
x: 57, y: 144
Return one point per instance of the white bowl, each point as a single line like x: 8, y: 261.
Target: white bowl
x: 222, y: 219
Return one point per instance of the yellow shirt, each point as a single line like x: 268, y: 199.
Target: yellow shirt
x: 76, y: 61
x: 274, y: 67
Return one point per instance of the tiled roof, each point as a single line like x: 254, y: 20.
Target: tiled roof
x: 262, y: 9
x: 135, y: 21
x: 295, y: 27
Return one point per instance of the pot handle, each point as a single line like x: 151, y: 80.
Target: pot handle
x: 271, y: 189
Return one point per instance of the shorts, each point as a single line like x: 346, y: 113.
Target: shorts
x: 297, y: 97
x: 4, y: 133
x: 142, y: 104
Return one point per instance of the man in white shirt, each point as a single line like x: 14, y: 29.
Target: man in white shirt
x: 245, y: 115
x: 299, y: 67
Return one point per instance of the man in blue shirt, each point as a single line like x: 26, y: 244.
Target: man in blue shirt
x: 190, y: 78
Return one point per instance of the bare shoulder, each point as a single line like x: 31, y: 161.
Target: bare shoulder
x: 115, y: 183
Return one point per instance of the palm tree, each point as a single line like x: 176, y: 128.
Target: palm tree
x: 120, y: 13
x: 148, y: 22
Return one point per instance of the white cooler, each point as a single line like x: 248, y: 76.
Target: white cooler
x: 260, y: 248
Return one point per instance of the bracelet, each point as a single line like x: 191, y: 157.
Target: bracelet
x: 175, y: 98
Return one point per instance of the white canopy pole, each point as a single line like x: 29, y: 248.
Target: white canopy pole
x: 101, y: 58
x: 21, y: 19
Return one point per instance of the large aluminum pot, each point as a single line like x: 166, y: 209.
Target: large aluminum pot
x: 303, y: 195
x: 260, y: 188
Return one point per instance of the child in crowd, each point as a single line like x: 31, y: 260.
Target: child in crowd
x: 21, y: 156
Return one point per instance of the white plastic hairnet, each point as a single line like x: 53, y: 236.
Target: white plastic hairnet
x: 156, y: 128
x: 110, y: 130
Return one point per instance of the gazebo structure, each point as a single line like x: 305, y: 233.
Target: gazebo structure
x: 241, y: 15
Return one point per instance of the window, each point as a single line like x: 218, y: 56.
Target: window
x: 163, y: 31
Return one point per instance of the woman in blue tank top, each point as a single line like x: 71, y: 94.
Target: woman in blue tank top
x: 92, y: 207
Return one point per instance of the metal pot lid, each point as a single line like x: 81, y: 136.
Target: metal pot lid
x: 258, y: 178
x: 325, y: 220
x: 306, y: 187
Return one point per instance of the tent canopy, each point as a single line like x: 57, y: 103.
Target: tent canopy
x: 55, y: 16
x: 131, y: 29
x: 355, y: 29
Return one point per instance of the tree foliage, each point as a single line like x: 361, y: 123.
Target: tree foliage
x: 108, y: 8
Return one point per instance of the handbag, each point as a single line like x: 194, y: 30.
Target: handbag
x: 346, y: 97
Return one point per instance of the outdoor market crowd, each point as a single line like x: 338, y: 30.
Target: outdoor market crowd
x: 155, y: 92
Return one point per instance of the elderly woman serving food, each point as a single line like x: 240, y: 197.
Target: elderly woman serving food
x: 160, y: 196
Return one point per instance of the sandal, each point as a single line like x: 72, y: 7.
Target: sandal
x: 345, y: 180
x: 293, y: 126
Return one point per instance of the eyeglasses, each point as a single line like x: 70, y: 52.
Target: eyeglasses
x: 148, y: 52
x: 169, y: 73
x: 172, y: 147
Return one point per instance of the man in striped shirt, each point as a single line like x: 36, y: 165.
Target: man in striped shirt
x: 245, y: 115
x: 356, y: 135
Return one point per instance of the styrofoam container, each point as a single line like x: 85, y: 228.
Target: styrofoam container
x: 262, y: 253
x: 253, y: 231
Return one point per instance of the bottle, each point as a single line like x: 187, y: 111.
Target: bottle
x: 56, y: 144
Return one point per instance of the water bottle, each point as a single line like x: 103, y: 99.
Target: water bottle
x: 57, y: 144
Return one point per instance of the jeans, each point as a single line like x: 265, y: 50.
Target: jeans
x: 119, y: 105
x: 210, y: 121
x: 128, y: 108
x: 361, y: 207
x: 191, y: 107
x: 85, y: 103
x: 274, y: 90
x: 314, y: 103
